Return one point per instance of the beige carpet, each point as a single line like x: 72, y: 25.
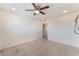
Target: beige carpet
x: 41, y: 48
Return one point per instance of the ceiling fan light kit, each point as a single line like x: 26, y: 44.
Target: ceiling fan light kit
x: 37, y: 12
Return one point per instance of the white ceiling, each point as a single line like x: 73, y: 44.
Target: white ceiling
x: 55, y: 10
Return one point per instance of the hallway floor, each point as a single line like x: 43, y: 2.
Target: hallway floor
x: 41, y: 48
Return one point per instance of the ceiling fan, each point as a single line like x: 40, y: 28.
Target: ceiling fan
x: 38, y: 9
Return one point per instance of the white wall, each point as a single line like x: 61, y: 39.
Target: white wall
x: 61, y: 29
x: 17, y: 29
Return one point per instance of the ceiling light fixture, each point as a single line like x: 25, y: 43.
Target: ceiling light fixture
x: 13, y: 9
x: 65, y: 11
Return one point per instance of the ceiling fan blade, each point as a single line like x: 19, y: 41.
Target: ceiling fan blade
x: 34, y: 5
x: 42, y: 12
x: 44, y: 7
x: 29, y: 10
